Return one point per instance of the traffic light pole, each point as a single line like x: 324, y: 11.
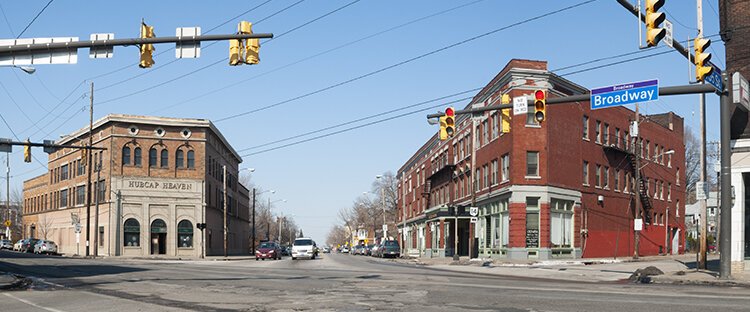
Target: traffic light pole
x: 725, y: 248
x: 88, y: 175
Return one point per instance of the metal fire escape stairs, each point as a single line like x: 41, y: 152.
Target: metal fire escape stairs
x: 642, y: 187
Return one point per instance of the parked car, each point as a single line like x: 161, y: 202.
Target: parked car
x: 390, y: 249
x: 268, y: 250
x: 286, y: 251
x: 28, y: 245
x: 45, y: 246
x: 344, y: 249
x: 374, y: 250
x: 17, y: 246
x: 6, y: 244
x: 304, y: 248
x: 326, y: 249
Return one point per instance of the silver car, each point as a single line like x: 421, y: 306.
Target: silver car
x: 6, y: 244
x: 45, y: 246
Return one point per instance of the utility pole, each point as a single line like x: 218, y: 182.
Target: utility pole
x: 88, y: 175
x: 704, y: 218
x: 224, y: 170
x: 96, y: 211
x: 280, y: 223
x: 7, y: 193
x: 637, y: 169
x: 725, y: 247
x: 382, y: 202
x: 253, y: 243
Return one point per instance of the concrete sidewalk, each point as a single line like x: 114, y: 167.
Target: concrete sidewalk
x: 678, y: 269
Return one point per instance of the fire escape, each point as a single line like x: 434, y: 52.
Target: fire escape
x: 631, y: 155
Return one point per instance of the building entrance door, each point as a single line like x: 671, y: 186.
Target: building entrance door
x: 158, y: 237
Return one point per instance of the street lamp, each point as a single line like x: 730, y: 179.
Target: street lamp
x: 382, y: 203
x: 279, y: 217
x: 29, y: 70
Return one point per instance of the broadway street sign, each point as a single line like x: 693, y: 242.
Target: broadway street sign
x: 629, y: 93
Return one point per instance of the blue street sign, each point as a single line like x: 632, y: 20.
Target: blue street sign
x: 628, y: 93
x: 715, y: 79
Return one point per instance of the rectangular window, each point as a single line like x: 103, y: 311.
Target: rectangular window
x: 598, y: 176
x: 64, y: 172
x: 495, y: 125
x: 494, y: 171
x: 476, y: 181
x: 648, y: 149
x: 477, y: 139
x: 606, y: 177
x: 532, y: 222
x: 617, y: 179
x: 669, y: 192
x: 585, y: 172
x: 585, y: 127
x: 461, y: 149
x: 605, y: 134
x: 485, y: 180
x: 63, y: 198
x: 598, y: 131
x: 617, y: 137
x: 485, y: 129
x: 561, y: 225
x: 80, y: 195
x: 101, y: 187
x: 530, y: 119
x: 506, y: 167
x: 625, y: 141
x: 532, y: 164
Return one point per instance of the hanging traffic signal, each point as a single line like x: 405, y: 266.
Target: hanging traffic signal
x: 654, y: 33
x: 540, y: 103
x: 505, y: 113
x: 147, y: 50
x: 252, y: 50
x: 450, y: 121
x: 84, y: 153
x: 702, y: 66
x: 27, y: 152
x: 443, y: 134
x: 234, y: 53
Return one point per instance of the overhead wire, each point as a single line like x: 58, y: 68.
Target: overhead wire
x: 404, y: 62
x: 316, y: 55
x: 34, y: 19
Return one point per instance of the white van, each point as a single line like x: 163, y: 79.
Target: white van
x: 304, y: 248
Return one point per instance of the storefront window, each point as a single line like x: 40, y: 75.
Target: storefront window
x: 185, y: 234
x: 532, y: 222
x: 132, y: 233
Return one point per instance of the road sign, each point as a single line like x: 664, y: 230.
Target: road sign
x: 715, y: 79
x: 474, y: 219
x: 53, y: 56
x: 520, y: 106
x: 5, y: 146
x: 7, y: 223
x: 188, y: 50
x: 474, y: 211
x: 78, y: 228
x: 740, y: 88
x: 668, y: 37
x: 101, y: 52
x: 628, y: 93
x: 701, y: 190
x: 78, y: 237
x: 638, y: 225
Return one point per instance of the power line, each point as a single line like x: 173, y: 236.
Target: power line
x: 34, y: 19
x: 404, y: 62
x: 6, y: 21
x: 318, y: 54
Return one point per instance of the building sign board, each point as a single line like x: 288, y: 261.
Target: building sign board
x: 628, y: 93
x: 520, y: 106
x: 740, y: 91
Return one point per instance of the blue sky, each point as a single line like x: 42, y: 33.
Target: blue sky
x: 321, y: 176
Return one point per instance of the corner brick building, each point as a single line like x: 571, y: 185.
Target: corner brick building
x: 159, y: 177
x: 734, y: 17
x: 563, y: 188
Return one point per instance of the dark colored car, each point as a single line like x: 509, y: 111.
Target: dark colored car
x: 28, y: 245
x: 286, y: 251
x: 390, y: 248
x: 268, y: 250
x: 368, y: 250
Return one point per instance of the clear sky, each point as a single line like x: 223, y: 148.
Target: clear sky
x: 303, y: 87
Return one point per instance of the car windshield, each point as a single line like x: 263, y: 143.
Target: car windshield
x: 266, y: 245
x: 303, y: 242
x: 391, y: 243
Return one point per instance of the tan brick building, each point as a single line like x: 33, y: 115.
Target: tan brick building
x: 159, y: 178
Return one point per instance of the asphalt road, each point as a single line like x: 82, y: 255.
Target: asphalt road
x: 332, y: 282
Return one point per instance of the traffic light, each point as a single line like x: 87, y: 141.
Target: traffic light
x: 234, y: 53
x: 27, y: 152
x: 540, y: 103
x: 84, y: 153
x: 147, y: 50
x: 505, y: 114
x: 450, y: 121
x: 443, y: 131
x: 654, y: 33
x: 702, y: 66
x: 252, y: 50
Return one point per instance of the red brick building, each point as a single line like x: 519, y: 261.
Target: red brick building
x: 562, y: 188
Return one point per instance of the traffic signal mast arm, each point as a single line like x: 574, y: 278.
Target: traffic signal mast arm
x: 10, y: 49
x: 52, y: 145
x: 673, y: 90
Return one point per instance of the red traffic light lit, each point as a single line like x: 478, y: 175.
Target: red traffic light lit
x: 450, y: 112
x: 539, y: 95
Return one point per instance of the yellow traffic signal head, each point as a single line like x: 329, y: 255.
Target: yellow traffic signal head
x: 505, y: 119
x: 27, y: 153
x: 147, y: 50
x: 702, y: 66
x: 252, y: 50
x: 450, y: 121
x: 654, y: 33
x: 443, y: 133
x: 540, y: 105
x: 245, y: 27
x: 234, y: 53
x: 505, y: 99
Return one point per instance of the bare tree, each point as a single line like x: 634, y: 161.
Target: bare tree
x: 693, y: 165
x: 44, y: 225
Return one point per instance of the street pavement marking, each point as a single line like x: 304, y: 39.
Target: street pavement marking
x: 33, y: 304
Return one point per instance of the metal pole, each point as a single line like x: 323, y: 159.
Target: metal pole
x: 224, y: 168
x: 704, y: 216
x: 253, y: 243
x: 118, y: 219
x: 637, y: 173
x: 88, y: 176
x: 7, y: 192
x: 725, y: 264
x: 382, y: 202
x: 280, y: 224
x: 96, y: 211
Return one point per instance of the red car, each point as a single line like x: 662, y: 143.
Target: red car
x: 268, y: 250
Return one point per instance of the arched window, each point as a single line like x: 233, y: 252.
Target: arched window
x: 191, y: 159
x: 164, y: 158
x: 125, y: 155
x: 132, y: 233
x: 179, y: 159
x: 152, y: 157
x: 137, y: 157
x: 185, y: 234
